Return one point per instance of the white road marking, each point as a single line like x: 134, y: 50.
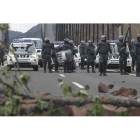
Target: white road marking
x: 62, y: 75
x: 77, y: 84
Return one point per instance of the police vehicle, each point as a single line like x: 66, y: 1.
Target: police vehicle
x: 23, y: 52
x: 113, y: 60
x: 38, y: 45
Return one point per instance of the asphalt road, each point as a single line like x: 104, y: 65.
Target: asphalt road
x: 48, y: 82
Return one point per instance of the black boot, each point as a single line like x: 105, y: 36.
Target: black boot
x: 93, y: 71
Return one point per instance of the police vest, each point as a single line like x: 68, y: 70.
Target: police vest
x: 82, y: 49
x: 121, y: 44
x: 47, y: 48
x: 66, y: 47
x: 137, y: 44
x: 90, y: 49
x: 104, y: 47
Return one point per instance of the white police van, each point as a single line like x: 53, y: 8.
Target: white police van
x: 38, y: 46
x: 113, y: 60
x: 23, y: 52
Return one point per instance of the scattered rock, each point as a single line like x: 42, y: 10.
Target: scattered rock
x: 109, y: 110
x: 59, y: 80
x: 110, y: 86
x: 115, y: 93
x: 102, y: 88
x: 127, y: 91
x: 66, y: 111
x: 134, y: 111
x: 86, y: 87
x: 123, y: 81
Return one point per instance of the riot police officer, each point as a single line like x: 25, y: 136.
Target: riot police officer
x: 46, y: 53
x: 137, y: 55
x: 103, y: 48
x: 131, y: 47
x: 2, y: 53
x: 123, y: 55
x: 82, y: 48
x: 67, y: 63
x: 54, y: 58
x: 91, y: 56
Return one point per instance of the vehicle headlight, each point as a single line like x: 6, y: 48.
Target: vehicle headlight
x: 33, y: 56
x: 11, y: 55
x: 39, y: 56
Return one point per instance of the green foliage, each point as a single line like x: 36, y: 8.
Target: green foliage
x: 124, y: 113
x: 55, y: 112
x: 97, y: 110
x: 11, y: 107
x: 4, y: 27
x: 67, y: 89
x: 24, y: 78
x: 40, y: 103
x: 81, y: 93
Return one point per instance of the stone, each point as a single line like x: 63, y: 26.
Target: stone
x: 127, y: 91
x: 102, y: 88
x: 134, y: 111
x: 43, y: 94
x: 86, y: 87
x: 111, y: 86
x: 115, y: 93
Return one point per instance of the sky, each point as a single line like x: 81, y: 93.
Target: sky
x: 22, y: 27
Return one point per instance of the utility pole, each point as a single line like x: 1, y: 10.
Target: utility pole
x: 86, y: 32
x: 83, y: 32
x: 102, y: 29
x: 130, y: 33
x: 121, y: 29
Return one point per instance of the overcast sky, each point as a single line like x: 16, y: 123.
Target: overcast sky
x: 22, y: 27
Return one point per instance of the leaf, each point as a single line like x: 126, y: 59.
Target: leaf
x: 81, y: 93
x: 61, y: 84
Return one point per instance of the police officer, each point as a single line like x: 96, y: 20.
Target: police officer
x: 74, y: 51
x: 54, y: 58
x: 67, y: 63
x: 91, y: 56
x: 82, y: 48
x: 123, y: 55
x: 46, y: 53
x: 103, y: 48
x: 131, y: 47
x: 2, y: 53
x: 137, y: 55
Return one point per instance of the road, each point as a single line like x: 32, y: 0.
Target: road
x: 48, y: 82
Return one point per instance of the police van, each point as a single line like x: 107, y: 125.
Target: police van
x: 38, y: 46
x: 23, y: 52
x: 113, y: 59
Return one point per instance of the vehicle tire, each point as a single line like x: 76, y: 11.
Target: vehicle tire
x: 35, y: 68
x: 8, y: 68
x: 129, y: 69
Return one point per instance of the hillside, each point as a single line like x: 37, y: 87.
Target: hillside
x: 34, y: 32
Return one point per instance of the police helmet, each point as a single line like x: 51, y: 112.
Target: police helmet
x: 66, y: 40
x: 90, y: 42
x: 103, y: 37
x: 121, y: 38
x: 138, y: 37
x: 47, y: 39
x: 71, y: 42
x: 82, y: 42
x: 132, y: 40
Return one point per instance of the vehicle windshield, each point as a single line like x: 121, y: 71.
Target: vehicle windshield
x: 38, y: 44
x: 29, y: 48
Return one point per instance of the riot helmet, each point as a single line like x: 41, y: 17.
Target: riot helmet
x: 132, y: 41
x: 47, y: 39
x: 71, y: 42
x: 138, y: 37
x: 82, y: 42
x: 103, y: 38
x: 66, y: 40
x: 121, y: 38
x: 90, y: 42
